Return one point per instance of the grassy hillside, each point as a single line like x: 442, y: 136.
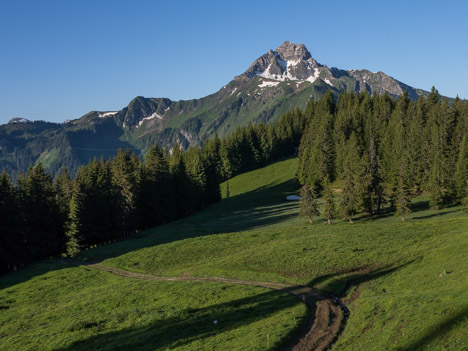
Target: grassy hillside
x: 405, y: 283
x: 53, y: 306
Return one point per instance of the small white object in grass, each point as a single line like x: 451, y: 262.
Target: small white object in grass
x: 215, y: 322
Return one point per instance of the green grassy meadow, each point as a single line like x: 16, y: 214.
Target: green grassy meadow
x: 406, y: 284
x: 61, y: 307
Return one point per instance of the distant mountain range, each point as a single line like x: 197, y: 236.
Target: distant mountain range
x: 276, y: 82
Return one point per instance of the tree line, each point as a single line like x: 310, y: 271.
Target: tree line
x: 112, y: 199
x: 380, y: 149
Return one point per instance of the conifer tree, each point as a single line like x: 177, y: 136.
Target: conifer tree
x: 309, y: 205
x: 305, y: 160
x: 154, y: 190
x: 225, y: 153
x: 63, y: 188
x: 180, y: 183
x: 95, y: 208
x: 11, y: 246
x: 197, y: 191
x: 43, y: 224
x: 350, y: 200
x: 461, y: 174
x: 435, y: 179
x: 372, y: 190
x: 402, y: 195
x: 329, y: 208
x: 212, y: 163
x: 125, y: 176
x: 465, y: 199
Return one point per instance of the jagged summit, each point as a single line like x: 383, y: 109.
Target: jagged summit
x: 288, y: 62
x: 293, y: 52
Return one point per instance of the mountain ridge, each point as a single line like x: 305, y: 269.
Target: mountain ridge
x: 278, y: 81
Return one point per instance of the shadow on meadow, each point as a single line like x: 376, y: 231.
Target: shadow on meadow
x: 194, y: 325
x: 437, y: 331
x: 340, y: 282
x: 29, y: 272
x: 442, y: 212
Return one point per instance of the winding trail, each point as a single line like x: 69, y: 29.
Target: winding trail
x: 327, y: 315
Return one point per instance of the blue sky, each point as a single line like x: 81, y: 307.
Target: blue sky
x: 61, y: 59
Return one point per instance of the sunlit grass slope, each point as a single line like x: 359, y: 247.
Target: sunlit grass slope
x: 403, y: 301
x: 58, y: 307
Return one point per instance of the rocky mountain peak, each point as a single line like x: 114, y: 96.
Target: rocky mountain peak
x: 288, y: 62
x: 293, y: 52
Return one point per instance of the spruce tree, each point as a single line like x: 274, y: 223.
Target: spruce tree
x: 213, y: 168
x: 329, y: 208
x: 179, y: 183
x: 154, y: 191
x: 197, y: 192
x: 350, y: 199
x: 402, y: 196
x: 43, y: 224
x: 125, y: 176
x: 461, y: 174
x: 465, y: 199
x: 309, y: 205
x: 436, y: 173
x: 371, y: 181
x: 63, y: 188
x: 95, y: 208
x: 12, y: 250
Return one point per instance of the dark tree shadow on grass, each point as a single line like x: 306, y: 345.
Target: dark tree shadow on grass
x: 437, y: 331
x: 442, y: 212
x: 192, y: 325
x: 35, y: 270
x: 347, y: 279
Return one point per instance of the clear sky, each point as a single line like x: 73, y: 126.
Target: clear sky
x: 61, y: 59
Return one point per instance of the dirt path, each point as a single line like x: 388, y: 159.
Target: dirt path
x: 326, y: 316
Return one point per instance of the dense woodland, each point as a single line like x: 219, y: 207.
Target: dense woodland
x: 378, y: 148
x: 382, y: 150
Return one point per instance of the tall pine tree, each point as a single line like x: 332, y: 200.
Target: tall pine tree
x: 309, y: 205
x: 329, y: 208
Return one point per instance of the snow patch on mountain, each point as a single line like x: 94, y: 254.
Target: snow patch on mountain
x: 287, y: 67
x: 293, y: 63
x: 19, y: 120
x: 154, y: 115
x: 268, y: 84
x: 107, y: 114
x: 312, y: 78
